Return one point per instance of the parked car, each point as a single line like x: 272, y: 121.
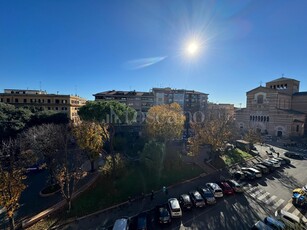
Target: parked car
x: 261, y: 168
x: 235, y: 185
x: 269, y: 165
x: 305, y: 188
x: 275, y: 163
x: 142, y: 221
x: 259, y: 225
x: 282, y: 161
x: 174, y: 207
x: 207, y: 195
x: 226, y: 188
x: 238, y: 175
x: 274, y: 223
x: 294, y: 155
x: 197, y: 199
x: 185, y: 202
x: 249, y: 175
x: 215, y: 189
x: 257, y: 173
x: 287, y: 160
x: 163, y: 215
x: 121, y: 224
x: 290, y: 220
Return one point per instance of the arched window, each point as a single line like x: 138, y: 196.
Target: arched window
x: 261, y: 118
x: 264, y: 118
x: 268, y: 118
x: 250, y: 118
x: 258, y: 118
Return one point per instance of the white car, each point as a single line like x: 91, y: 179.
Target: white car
x: 174, y: 207
x: 291, y: 220
x: 305, y: 188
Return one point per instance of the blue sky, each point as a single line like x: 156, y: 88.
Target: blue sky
x: 86, y: 47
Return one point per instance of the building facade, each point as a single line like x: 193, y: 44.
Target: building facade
x: 277, y: 109
x: 41, y: 100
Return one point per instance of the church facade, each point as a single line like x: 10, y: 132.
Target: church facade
x: 276, y: 109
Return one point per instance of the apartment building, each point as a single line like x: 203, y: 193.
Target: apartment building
x: 189, y: 100
x: 42, y: 100
x: 277, y: 109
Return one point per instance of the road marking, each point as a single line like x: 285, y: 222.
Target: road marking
x: 288, y: 206
x: 257, y: 193
x: 263, y: 196
x: 280, y: 202
x: 272, y: 198
x: 304, y: 219
x: 297, y: 212
x: 251, y: 189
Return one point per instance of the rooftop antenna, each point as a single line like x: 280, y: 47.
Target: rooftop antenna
x: 40, y: 86
x: 260, y: 83
x: 76, y: 90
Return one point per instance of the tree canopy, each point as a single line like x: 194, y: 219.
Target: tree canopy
x: 216, y: 129
x: 107, y: 112
x: 165, y: 122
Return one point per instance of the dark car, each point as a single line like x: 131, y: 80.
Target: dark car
x: 197, y: 199
x: 238, y: 175
x: 227, y: 189
x: 142, y: 221
x: 269, y: 165
x: 207, y: 195
x: 281, y: 160
x: 163, y: 215
x: 249, y: 175
x: 261, y: 168
x: 185, y: 201
x: 294, y: 155
x: 287, y: 160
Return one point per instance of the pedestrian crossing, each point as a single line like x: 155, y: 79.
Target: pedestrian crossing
x: 272, y: 201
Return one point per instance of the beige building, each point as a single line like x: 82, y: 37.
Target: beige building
x: 229, y: 109
x: 41, y: 100
x: 277, y: 109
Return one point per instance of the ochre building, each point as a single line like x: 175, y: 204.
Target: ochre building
x: 42, y: 100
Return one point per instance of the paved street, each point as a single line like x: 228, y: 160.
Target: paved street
x: 261, y: 198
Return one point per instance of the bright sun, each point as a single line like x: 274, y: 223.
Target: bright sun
x: 192, y: 48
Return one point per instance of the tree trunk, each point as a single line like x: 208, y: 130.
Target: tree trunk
x: 92, y: 165
x: 69, y: 205
x: 12, y: 223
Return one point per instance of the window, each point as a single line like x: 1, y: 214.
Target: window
x: 260, y: 99
x: 49, y: 108
x: 24, y: 100
x: 56, y: 108
x: 297, y: 128
x: 49, y: 101
x: 7, y: 100
x: 57, y: 101
x: 268, y: 118
x: 1, y: 99
x: 16, y: 100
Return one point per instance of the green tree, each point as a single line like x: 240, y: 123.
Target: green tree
x: 165, y: 122
x: 90, y: 137
x: 12, y: 120
x: 48, y: 117
x: 215, y: 129
x: 107, y: 112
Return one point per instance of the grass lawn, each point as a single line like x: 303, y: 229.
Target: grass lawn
x: 133, y: 182
x: 234, y: 156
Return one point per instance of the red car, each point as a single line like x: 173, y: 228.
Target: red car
x: 227, y: 189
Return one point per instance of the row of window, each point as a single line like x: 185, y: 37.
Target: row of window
x: 259, y: 118
x: 34, y: 100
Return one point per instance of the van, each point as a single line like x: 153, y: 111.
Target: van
x: 215, y: 189
x: 174, y: 207
x: 256, y: 172
x: 291, y: 220
x: 121, y: 224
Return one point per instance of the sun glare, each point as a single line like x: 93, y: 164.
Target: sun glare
x: 192, y: 48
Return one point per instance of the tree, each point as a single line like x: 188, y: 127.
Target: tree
x: 12, y: 120
x: 215, y: 129
x: 68, y: 170
x: 48, y: 117
x: 252, y: 136
x: 165, y: 122
x: 107, y: 112
x: 47, y: 143
x: 91, y: 136
x: 152, y: 156
x: 12, y: 174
